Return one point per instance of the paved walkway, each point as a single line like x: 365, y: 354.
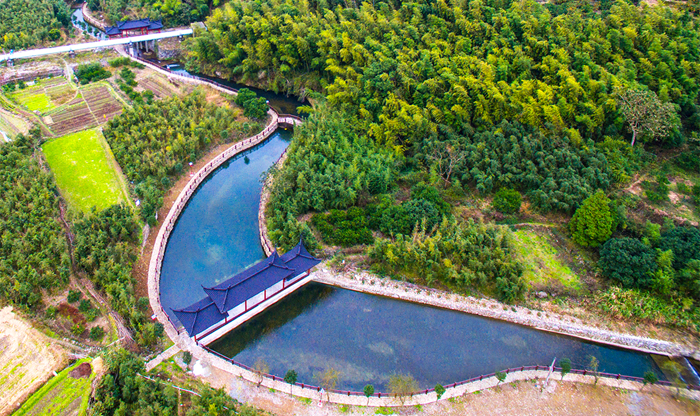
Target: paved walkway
x: 363, y: 282
x: 165, y: 355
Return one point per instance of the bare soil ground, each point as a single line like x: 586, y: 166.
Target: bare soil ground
x: 27, y: 359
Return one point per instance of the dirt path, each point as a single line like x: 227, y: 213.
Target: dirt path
x: 27, y: 359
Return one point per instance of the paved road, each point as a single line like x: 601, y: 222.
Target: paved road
x: 4, y: 136
x: 33, y: 53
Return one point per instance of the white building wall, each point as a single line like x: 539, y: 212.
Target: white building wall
x: 271, y: 299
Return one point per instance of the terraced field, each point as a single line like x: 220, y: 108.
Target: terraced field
x: 65, y: 109
x: 27, y: 359
x: 66, y: 394
x: 11, y: 125
x: 93, y: 106
x: 46, y: 95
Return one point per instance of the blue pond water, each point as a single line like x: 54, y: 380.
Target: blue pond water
x: 216, y: 235
x: 367, y: 338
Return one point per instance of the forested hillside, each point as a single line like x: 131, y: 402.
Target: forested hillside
x: 33, y: 250
x: 404, y: 68
x: 24, y: 23
x: 428, y: 103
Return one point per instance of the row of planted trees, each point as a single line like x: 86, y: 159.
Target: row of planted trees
x: 403, y: 386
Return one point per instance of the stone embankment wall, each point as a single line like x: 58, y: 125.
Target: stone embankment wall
x: 87, y: 15
x: 14, y: 76
x: 168, y: 48
x: 363, y: 281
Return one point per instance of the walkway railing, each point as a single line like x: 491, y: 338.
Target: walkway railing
x: 457, y: 384
x: 190, y: 189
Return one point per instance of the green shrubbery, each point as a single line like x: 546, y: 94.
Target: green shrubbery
x: 507, y: 201
x: 124, y: 61
x: 638, y: 304
x: 461, y: 255
x: 91, y: 72
x: 666, y: 266
x: 657, y: 191
x: 594, y: 221
x: 344, y: 228
x: 628, y: 261
x: 253, y: 106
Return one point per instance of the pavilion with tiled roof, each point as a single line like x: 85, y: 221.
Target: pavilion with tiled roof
x: 134, y: 27
x: 242, y: 292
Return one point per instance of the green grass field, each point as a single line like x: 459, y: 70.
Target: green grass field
x: 542, y: 266
x: 62, y: 395
x: 84, y: 171
x: 34, y: 98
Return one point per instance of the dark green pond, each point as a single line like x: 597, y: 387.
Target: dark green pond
x: 216, y: 235
x: 368, y: 338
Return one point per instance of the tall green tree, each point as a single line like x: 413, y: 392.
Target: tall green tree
x: 594, y: 221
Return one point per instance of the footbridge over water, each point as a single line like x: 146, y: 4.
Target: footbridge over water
x: 133, y: 43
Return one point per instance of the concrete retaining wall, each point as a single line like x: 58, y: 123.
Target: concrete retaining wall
x: 87, y: 15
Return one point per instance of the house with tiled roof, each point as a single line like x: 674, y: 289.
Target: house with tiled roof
x: 245, y: 291
x: 134, y: 28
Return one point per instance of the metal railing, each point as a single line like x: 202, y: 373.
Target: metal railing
x: 457, y: 384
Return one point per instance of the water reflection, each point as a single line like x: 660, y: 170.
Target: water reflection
x: 216, y: 235
x: 369, y: 338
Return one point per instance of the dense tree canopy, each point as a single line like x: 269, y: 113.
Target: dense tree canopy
x: 24, y: 23
x: 328, y: 166
x: 173, y: 12
x: 33, y: 250
x: 553, y: 173
x: 125, y: 391
x: 154, y: 143
x: 403, y: 68
x: 685, y: 244
x: 628, y: 261
x: 461, y: 255
x: 105, y: 248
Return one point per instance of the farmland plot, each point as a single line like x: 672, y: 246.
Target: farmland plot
x: 94, y: 105
x: 67, y: 394
x: 84, y: 171
x: 46, y: 95
x: 27, y: 360
x: 11, y: 125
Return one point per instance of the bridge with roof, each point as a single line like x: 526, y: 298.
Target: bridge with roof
x: 133, y: 42
x: 270, y: 279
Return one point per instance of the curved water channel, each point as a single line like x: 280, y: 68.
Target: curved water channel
x: 79, y: 21
x: 365, y: 337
